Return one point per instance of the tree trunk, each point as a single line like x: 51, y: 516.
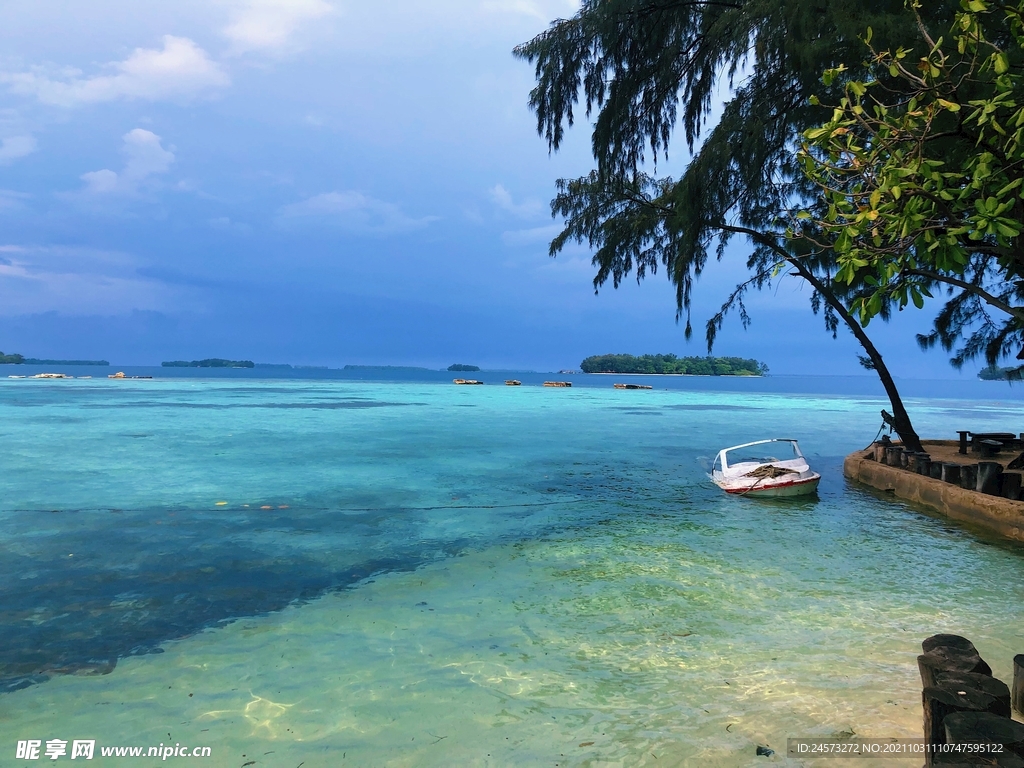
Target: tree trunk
x: 901, y: 419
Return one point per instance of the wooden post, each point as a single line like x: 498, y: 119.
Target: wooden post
x: 905, y: 458
x: 988, y: 477
x: 957, y: 642
x: 880, y: 447
x: 985, y: 728
x: 924, y: 464
x: 961, y: 693
x: 1018, y: 683
x: 950, y: 473
x: 935, y: 470
x: 892, y: 455
x: 969, y: 476
x: 1010, y: 484
x: 941, y: 661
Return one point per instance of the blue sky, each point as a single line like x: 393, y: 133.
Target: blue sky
x: 321, y: 182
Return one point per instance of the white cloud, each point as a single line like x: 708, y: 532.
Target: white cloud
x: 353, y: 211
x: 144, y: 157
x: 180, y: 70
x: 501, y: 197
x: 531, y: 236
x: 16, y: 146
x: 269, y: 25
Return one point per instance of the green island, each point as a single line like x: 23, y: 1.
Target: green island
x: 995, y: 373
x: 212, y: 362
x: 16, y: 359
x: 670, y: 364
x: 461, y: 367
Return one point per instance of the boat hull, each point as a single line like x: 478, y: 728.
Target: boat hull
x: 804, y: 486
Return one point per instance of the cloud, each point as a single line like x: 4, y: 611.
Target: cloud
x: 144, y: 157
x: 531, y: 236
x: 268, y: 25
x: 180, y: 70
x: 16, y: 146
x: 12, y: 199
x: 529, y: 209
x: 353, y: 211
x: 79, y: 281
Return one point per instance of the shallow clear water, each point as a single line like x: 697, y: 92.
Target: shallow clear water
x: 343, y: 572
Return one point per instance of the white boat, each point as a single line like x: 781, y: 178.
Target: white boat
x: 764, y: 468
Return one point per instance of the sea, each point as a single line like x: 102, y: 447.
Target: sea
x: 302, y: 567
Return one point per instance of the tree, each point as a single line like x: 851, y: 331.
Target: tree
x: 922, y: 173
x: 645, y: 66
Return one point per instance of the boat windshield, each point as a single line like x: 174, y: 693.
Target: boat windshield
x: 762, y: 453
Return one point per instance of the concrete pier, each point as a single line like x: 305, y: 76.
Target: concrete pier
x: 1002, y: 516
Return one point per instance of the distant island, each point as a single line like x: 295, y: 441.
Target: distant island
x: 461, y: 367
x: 21, y: 360
x: 212, y: 362
x: 670, y: 364
x: 995, y: 373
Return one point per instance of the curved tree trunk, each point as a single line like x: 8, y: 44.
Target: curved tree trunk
x: 901, y: 419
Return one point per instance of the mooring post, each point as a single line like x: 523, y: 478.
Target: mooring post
x: 985, y: 728
x: 1017, y: 697
x: 963, y: 440
x: 988, y: 477
x: 955, y: 679
x: 1010, y: 485
x: 892, y: 455
x: 950, y: 473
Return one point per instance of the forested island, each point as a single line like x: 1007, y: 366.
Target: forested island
x: 212, y: 362
x: 995, y: 373
x: 462, y: 367
x: 670, y: 364
x: 16, y: 359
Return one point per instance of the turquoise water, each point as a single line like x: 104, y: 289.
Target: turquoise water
x: 411, y: 573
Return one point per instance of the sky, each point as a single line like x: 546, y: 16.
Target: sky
x: 323, y: 182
